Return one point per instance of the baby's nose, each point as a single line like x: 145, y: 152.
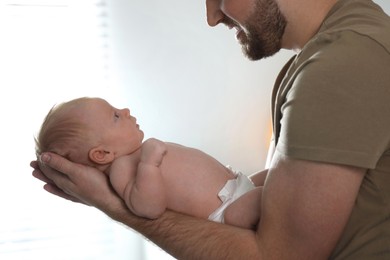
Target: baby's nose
x: 126, y: 112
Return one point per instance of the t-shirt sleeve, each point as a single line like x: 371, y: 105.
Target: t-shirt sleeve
x: 338, y: 107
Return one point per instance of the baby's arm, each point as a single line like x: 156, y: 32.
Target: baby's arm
x: 146, y: 197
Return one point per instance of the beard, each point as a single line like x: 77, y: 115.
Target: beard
x: 263, y: 30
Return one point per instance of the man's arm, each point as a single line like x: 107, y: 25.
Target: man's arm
x: 305, y: 207
x: 184, y: 237
x: 187, y: 237
x: 300, y: 201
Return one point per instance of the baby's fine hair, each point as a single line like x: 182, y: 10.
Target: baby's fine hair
x: 63, y: 133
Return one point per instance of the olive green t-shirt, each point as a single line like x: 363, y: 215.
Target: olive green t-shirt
x: 331, y: 104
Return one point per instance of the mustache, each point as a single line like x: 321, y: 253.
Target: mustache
x: 229, y: 22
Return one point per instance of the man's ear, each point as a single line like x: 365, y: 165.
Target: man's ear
x: 100, y: 155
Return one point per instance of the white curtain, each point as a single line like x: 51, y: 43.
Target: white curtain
x: 51, y: 51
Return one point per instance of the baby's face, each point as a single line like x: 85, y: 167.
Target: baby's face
x: 113, y: 127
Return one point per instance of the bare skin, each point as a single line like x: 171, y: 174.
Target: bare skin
x: 299, y: 200
x: 150, y: 176
x: 280, y: 234
x: 170, y: 176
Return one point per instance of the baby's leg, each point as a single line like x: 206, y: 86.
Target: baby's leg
x: 245, y: 211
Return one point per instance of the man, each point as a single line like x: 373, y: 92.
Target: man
x: 327, y: 191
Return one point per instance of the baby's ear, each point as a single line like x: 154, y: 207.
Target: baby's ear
x: 100, y: 155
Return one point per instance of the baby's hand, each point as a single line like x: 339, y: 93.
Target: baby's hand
x: 153, y: 151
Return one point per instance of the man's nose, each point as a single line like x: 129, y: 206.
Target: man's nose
x: 213, y: 12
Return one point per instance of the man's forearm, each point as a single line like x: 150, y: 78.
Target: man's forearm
x: 182, y: 236
x: 186, y: 237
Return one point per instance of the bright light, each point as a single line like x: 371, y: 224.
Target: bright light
x: 50, y: 51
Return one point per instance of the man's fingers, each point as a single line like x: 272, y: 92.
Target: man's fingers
x: 50, y: 186
x: 55, y: 162
x: 40, y: 176
x: 34, y: 164
x: 58, y: 192
x: 56, y: 172
x: 59, y: 170
x: 37, y: 173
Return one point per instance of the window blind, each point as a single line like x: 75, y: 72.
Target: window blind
x: 50, y: 51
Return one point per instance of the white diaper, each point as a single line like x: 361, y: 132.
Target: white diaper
x: 232, y: 190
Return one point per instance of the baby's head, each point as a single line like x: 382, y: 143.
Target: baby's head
x: 88, y: 131
x: 63, y: 132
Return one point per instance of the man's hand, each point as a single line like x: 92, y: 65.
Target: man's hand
x: 77, y: 183
x: 50, y: 186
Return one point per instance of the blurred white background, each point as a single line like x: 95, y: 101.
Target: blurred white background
x: 184, y: 81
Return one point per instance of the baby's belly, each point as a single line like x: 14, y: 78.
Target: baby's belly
x: 193, y: 181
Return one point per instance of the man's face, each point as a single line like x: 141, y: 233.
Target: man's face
x: 259, y: 24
